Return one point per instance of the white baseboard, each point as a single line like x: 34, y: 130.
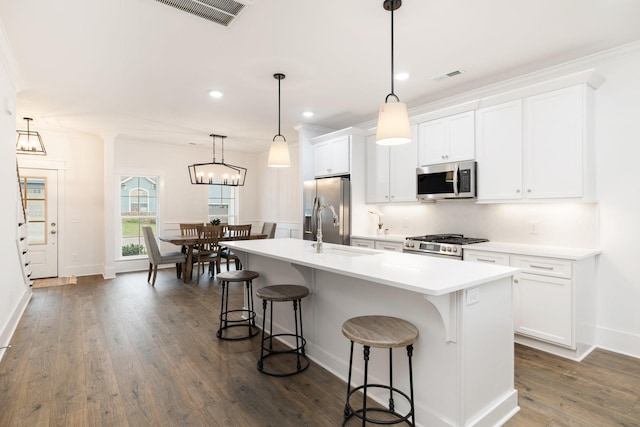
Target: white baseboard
x: 618, y: 341
x: 12, y: 323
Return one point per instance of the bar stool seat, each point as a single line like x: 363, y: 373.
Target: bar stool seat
x: 272, y: 294
x: 243, y: 317
x: 380, y: 332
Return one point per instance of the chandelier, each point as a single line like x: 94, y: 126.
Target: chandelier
x: 217, y: 173
x: 29, y: 141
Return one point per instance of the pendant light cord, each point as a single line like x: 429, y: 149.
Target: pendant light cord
x: 279, y: 77
x: 392, y: 92
x: 392, y: 6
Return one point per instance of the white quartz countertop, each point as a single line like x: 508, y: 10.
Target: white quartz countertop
x: 417, y: 273
x: 535, y: 250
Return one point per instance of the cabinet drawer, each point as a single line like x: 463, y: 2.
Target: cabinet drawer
x: 543, y: 266
x: 361, y: 243
x: 486, y: 257
x: 389, y: 246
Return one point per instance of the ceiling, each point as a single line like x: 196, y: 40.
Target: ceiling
x: 142, y: 69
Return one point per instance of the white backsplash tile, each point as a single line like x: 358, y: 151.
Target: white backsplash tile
x: 558, y: 224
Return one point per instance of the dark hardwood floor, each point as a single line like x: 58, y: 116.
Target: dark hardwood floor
x: 121, y: 353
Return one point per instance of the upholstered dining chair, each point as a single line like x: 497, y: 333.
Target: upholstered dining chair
x: 269, y: 228
x: 157, y: 258
x: 207, y: 250
x: 236, y: 232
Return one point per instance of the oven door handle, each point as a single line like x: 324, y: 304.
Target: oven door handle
x: 456, y: 190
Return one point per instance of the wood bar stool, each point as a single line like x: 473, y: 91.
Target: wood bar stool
x: 380, y: 332
x: 243, y: 317
x: 293, y: 293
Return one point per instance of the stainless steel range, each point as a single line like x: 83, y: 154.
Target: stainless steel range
x: 442, y: 245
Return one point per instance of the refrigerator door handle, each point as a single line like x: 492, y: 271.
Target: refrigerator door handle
x: 314, y: 216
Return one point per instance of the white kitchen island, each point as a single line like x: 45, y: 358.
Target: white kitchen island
x: 463, y: 359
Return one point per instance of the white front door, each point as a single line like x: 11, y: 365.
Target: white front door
x: 40, y: 196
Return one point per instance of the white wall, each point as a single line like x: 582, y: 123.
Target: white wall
x: 14, y: 294
x: 80, y: 201
x: 279, y: 194
x: 618, y: 153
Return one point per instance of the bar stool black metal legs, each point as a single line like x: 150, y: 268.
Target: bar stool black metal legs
x: 380, y: 332
x: 293, y: 293
x: 237, y: 318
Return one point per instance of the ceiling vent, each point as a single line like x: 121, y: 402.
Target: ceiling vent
x: 222, y: 12
x: 448, y: 75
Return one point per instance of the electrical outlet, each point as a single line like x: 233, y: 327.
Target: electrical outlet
x: 473, y: 296
x: 74, y: 257
x: 534, y: 227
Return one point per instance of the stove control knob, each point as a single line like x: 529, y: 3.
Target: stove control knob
x: 455, y: 249
x: 448, y: 248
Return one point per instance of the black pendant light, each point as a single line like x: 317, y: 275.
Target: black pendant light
x: 217, y: 173
x: 393, y: 119
x: 279, y: 150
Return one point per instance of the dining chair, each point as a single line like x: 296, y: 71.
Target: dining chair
x: 157, y: 258
x: 189, y: 230
x: 269, y: 228
x: 207, y: 248
x: 236, y: 232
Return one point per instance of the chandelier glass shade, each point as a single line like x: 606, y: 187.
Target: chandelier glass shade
x: 30, y: 142
x: 217, y: 173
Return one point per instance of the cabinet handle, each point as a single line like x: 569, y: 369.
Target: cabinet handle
x: 518, y: 190
x: 389, y: 248
x: 528, y: 190
x: 362, y: 245
x: 515, y: 280
x: 542, y: 267
x: 485, y: 260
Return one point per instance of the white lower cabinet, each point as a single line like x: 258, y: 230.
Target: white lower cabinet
x: 389, y: 246
x: 380, y: 244
x: 543, y: 308
x: 363, y: 243
x: 553, y: 301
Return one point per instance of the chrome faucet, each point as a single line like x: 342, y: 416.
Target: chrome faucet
x: 336, y: 222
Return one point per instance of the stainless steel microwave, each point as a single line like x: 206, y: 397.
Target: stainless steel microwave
x: 447, y: 181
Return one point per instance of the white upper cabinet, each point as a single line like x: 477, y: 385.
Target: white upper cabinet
x: 332, y: 157
x: 448, y: 139
x: 555, y: 143
x: 391, y: 171
x: 499, y: 151
x: 537, y: 148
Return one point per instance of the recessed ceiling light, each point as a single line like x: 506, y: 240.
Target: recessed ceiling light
x: 308, y: 114
x: 402, y: 76
x: 216, y: 94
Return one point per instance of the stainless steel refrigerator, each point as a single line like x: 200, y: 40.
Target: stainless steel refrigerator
x: 332, y: 191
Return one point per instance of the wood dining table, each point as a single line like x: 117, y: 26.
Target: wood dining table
x: 189, y: 242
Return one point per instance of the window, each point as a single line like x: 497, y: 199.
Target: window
x: 222, y: 204
x: 34, y: 190
x: 138, y: 207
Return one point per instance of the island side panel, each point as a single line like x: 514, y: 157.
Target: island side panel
x: 485, y: 322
